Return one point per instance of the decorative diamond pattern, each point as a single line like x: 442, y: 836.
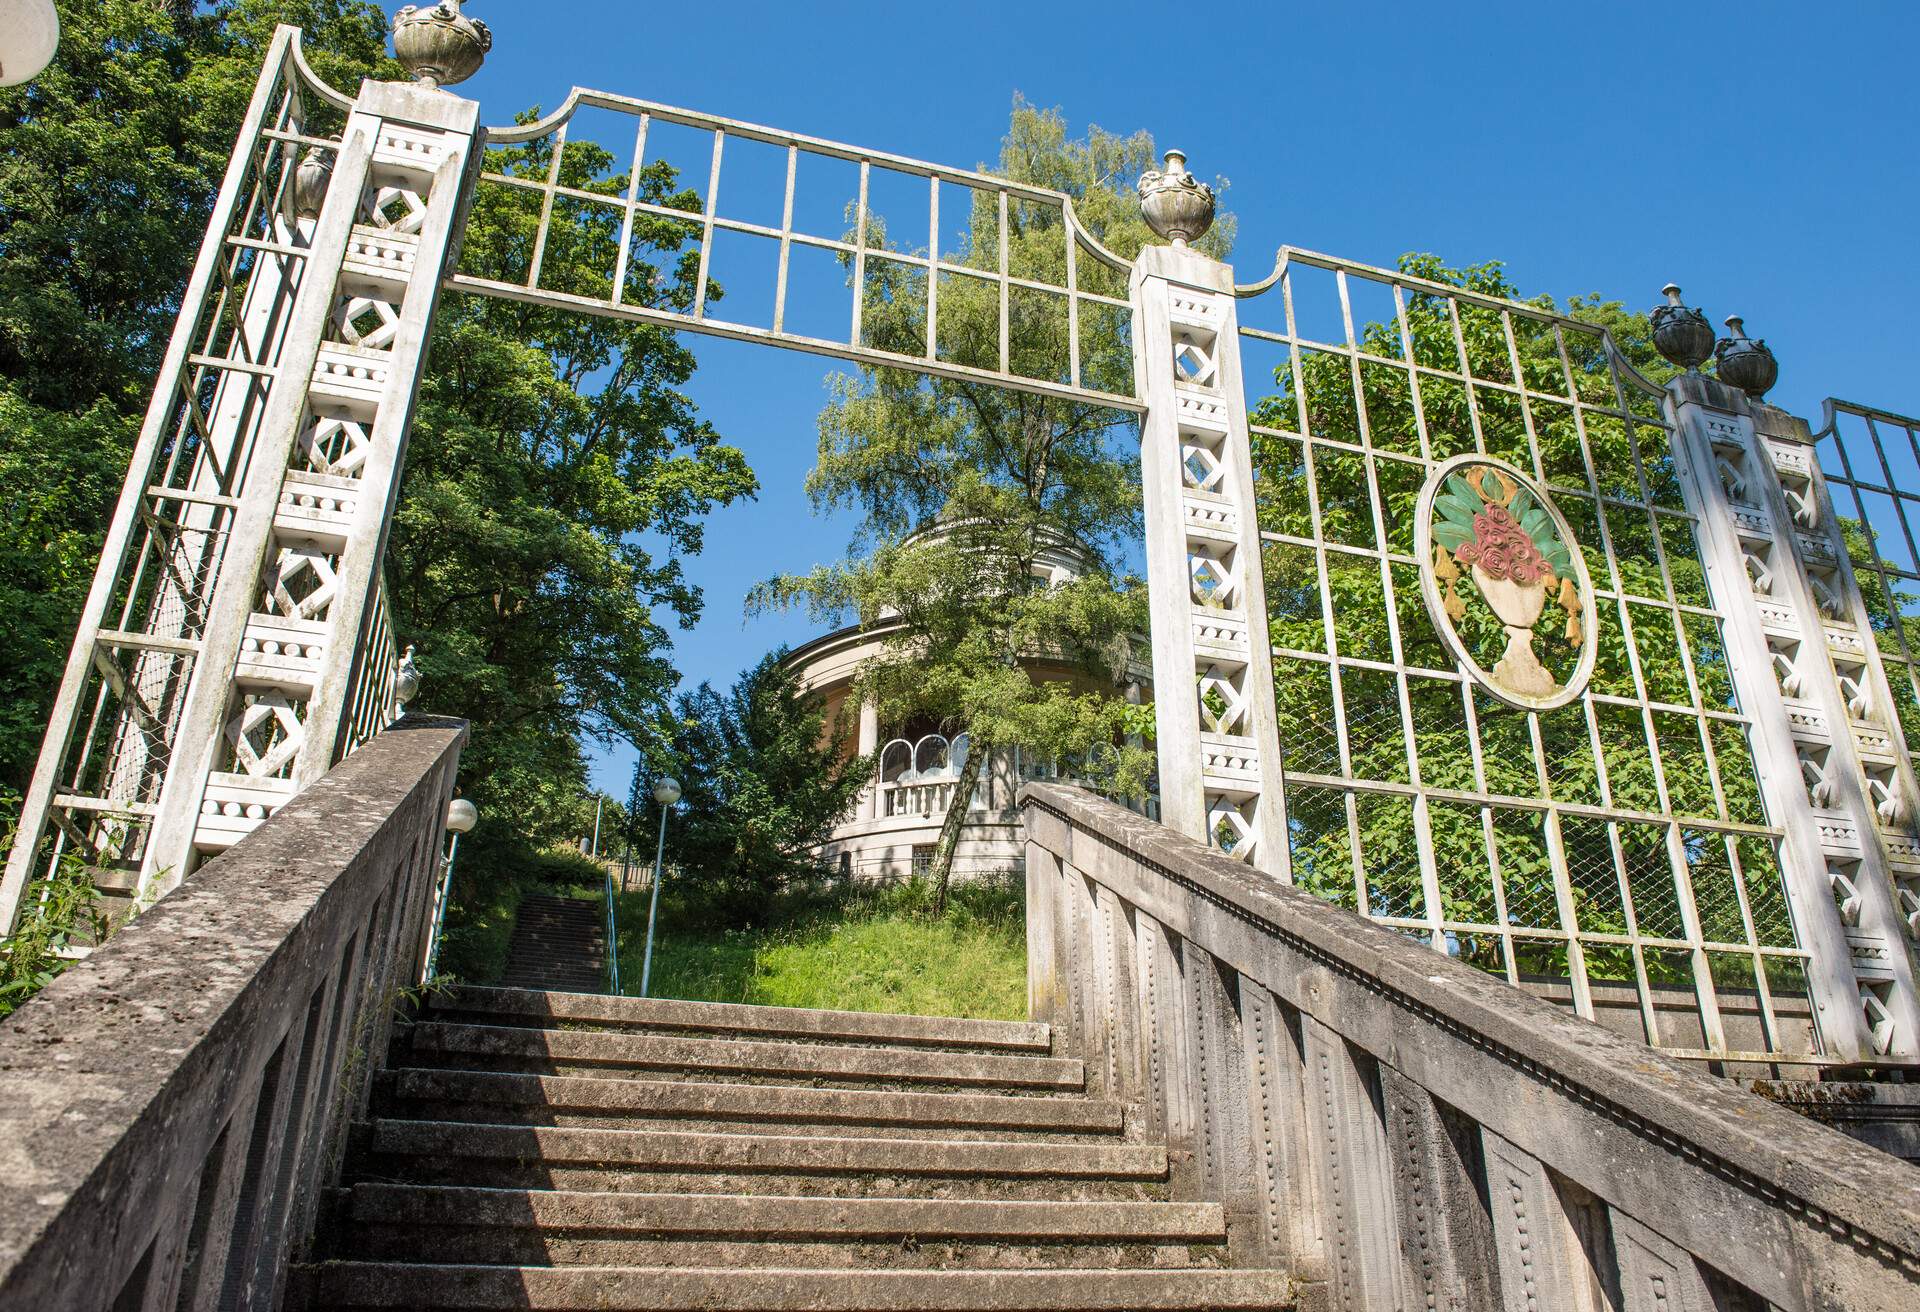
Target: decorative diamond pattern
x: 333, y: 444
x: 300, y: 583
x: 398, y: 209
x: 1231, y: 827
x: 1194, y: 359
x: 367, y: 322
x: 267, y: 733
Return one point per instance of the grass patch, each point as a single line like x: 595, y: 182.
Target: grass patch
x: 862, y: 948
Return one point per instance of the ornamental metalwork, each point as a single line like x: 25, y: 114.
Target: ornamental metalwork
x: 1495, y: 553
x: 1458, y: 621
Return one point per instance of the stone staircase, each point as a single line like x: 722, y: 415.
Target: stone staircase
x: 556, y: 1150
x: 559, y: 944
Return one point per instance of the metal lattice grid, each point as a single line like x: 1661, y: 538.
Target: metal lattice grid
x: 1870, y: 462
x: 1610, y: 853
x: 803, y: 243
x: 109, y: 745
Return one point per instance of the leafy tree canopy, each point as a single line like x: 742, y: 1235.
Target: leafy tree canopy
x: 764, y: 779
x: 1008, y: 477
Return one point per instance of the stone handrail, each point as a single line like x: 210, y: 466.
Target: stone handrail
x: 172, y: 1108
x: 1408, y: 1132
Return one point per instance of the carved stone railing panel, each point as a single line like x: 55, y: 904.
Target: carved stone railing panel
x: 1397, y: 1127
x: 252, y: 1006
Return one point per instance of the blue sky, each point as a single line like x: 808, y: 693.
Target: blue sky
x: 1761, y: 154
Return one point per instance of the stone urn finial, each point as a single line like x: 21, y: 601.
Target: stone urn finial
x: 1680, y: 333
x: 1745, y: 362
x: 1177, y: 205
x: 438, y: 44
x: 310, y: 181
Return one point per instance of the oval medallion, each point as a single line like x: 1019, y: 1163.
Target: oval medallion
x: 1505, y: 583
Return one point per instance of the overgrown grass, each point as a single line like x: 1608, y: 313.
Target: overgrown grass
x: 861, y: 948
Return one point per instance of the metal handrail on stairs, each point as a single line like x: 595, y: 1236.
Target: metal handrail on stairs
x: 613, y: 939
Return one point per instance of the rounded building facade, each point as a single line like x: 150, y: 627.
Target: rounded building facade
x: 892, y: 831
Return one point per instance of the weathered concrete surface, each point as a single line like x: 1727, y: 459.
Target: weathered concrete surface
x: 746, y: 1057
x: 397, y: 1285
x: 1685, y: 1169
x: 499, y: 1093
x: 789, y: 1023
x: 169, y: 1106
x: 669, y: 1150
x: 1887, y: 1116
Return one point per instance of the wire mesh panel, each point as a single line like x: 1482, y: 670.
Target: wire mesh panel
x: 634, y: 210
x: 1601, y: 842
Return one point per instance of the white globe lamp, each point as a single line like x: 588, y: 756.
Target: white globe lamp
x: 29, y: 34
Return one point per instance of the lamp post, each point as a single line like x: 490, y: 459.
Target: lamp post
x: 666, y: 793
x: 462, y: 815
x: 29, y: 34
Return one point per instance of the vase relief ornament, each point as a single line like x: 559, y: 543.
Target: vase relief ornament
x: 1495, y: 552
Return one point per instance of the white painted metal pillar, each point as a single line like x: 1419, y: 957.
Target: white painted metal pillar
x: 285, y: 639
x: 1797, y: 638
x: 868, y: 740
x: 1217, y: 733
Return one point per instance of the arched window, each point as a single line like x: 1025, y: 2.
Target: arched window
x: 930, y: 755
x: 896, y: 759
x: 957, y: 753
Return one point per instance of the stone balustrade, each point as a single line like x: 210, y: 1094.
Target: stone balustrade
x: 1404, y: 1131
x: 173, y: 1107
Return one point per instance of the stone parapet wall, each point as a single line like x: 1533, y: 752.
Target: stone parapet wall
x: 173, y: 1108
x: 1405, y: 1131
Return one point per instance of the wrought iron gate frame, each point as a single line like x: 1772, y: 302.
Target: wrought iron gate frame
x: 378, y: 211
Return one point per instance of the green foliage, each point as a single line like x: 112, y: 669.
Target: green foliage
x: 33, y: 956
x: 1002, y: 480
x: 764, y: 780
x: 545, y: 447
x: 1579, y: 453
x: 857, y: 948
x: 109, y: 161
x: 493, y: 870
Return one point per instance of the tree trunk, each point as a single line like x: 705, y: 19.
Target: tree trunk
x: 950, y: 827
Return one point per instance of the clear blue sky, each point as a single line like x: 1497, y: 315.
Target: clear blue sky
x: 1761, y: 154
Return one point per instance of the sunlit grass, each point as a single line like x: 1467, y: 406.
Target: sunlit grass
x: 879, y: 949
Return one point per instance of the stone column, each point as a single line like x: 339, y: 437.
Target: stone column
x: 1217, y: 734
x: 868, y: 740
x: 1794, y: 630
x: 270, y: 699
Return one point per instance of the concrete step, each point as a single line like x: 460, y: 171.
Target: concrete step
x: 510, y: 1006
x: 430, y: 1094
x: 719, y: 1289
x: 383, y: 1222
x: 444, y: 1146
x: 508, y: 1047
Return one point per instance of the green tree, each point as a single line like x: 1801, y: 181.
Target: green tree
x: 109, y: 161
x: 545, y: 449
x: 764, y: 779
x: 557, y: 475
x: 1008, y: 477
